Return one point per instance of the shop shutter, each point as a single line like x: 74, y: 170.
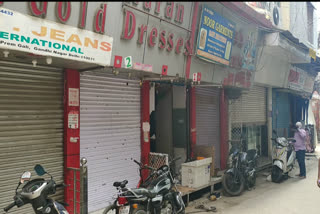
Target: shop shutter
x: 31, y: 126
x: 109, y: 133
x: 208, y: 119
x: 281, y: 112
x: 250, y: 108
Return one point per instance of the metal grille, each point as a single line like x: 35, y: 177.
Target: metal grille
x: 235, y: 115
x: 157, y: 160
x: 31, y: 126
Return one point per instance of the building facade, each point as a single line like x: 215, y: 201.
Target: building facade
x: 113, y: 81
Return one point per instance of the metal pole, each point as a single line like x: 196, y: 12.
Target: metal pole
x: 83, y: 186
x: 81, y: 189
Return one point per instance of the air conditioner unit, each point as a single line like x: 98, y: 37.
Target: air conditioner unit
x: 275, y: 15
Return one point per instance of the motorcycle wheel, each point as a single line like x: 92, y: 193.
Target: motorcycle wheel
x: 276, y: 174
x: 231, y: 186
x: 109, y: 209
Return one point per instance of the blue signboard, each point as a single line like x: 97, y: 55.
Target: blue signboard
x: 215, y: 37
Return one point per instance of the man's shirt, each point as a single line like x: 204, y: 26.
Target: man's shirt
x: 300, y: 137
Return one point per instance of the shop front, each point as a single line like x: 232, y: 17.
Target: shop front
x: 110, y: 109
x: 248, y: 119
x: 291, y: 105
x: 226, y: 60
x: 142, y: 94
x: 31, y: 123
x: 39, y: 95
x: 208, y: 119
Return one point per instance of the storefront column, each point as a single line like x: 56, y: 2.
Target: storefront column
x: 71, y: 135
x: 193, y: 132
x: 145, y: 125
x: 269, y: 119
x: 223, y: 130
x: 192, y: 36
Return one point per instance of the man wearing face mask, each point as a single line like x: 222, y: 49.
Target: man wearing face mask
x: 300, y: 148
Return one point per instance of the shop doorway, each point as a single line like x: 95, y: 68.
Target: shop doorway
x: 168, y: 121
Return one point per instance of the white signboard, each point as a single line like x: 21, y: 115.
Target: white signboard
x: 73, y: 121
x: 73, y: 97
x: 128, y: 62
x: 43, y: 37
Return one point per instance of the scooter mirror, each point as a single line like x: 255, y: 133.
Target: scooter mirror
x: 39, y: 170
x: 26, y: 176
x: 274, y: 131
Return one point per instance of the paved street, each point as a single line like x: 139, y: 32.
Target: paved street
x: 290, y: 197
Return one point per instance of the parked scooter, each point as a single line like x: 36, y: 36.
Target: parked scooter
x: 36, y: 193
x: 283, y: 157
x: 242, y: 173
x: 159, y: 194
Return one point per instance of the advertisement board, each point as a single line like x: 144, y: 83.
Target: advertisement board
x: 215, y: 37
x: 43, y: 37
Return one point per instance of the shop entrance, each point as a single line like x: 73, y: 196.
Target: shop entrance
x: 168, y: 121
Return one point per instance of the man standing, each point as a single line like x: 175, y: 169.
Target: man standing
x: 300, y: 148
x: 318, y: 181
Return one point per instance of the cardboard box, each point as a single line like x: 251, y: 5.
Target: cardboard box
x: 207, y: 152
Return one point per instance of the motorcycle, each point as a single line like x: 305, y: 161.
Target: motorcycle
x: 120, y: 204
x: 283, y: 157
x: 36, y: 193
x: 157, y: 194
x: 242, y: 173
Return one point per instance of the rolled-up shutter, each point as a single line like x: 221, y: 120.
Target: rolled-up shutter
x: 208, y: 119
x: 31, y: 126
x: 250, y: 107
x: 109, y: 133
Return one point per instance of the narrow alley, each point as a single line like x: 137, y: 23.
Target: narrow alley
x: 292, y: 196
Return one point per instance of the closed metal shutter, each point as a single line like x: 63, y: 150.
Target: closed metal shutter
x: 31, y: 126
x: 251, y: 107
x: 109, y: 133
x: 208, y: 120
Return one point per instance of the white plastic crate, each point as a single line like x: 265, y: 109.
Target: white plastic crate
x: 196, y: 173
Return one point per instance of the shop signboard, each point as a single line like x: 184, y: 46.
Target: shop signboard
x: 243, y: 60
x: 29, y: 34
x: 215, y: 37
x: 300, y: 80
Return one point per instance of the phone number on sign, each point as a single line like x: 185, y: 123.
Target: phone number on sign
x: 6, y: 12
x: 87, y: 58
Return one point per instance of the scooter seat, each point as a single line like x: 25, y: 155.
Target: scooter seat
x: 121, y: 184
x: 144, y: 192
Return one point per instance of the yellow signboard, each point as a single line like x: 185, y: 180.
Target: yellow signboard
x: 312, y: 54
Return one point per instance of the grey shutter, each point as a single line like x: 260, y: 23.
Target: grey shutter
x: 109, y: 133
x: 208, y: 119
x: 250, y: 107
x: 31, y: 126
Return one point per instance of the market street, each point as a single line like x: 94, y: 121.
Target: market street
x: 289, y: 197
